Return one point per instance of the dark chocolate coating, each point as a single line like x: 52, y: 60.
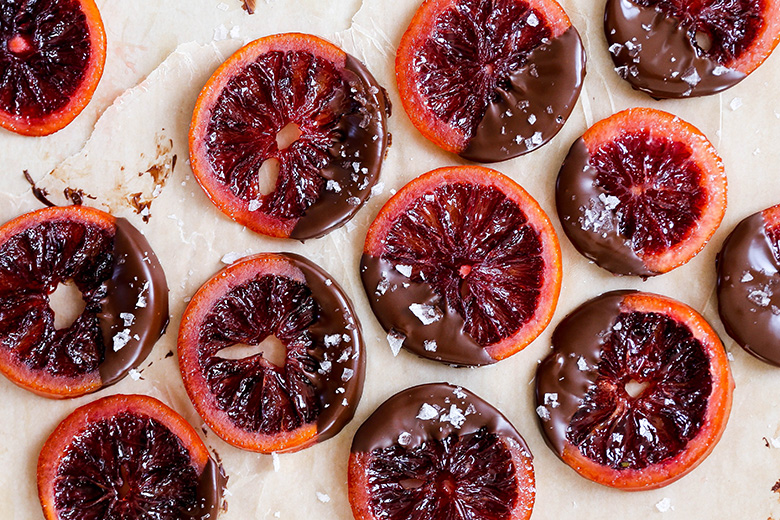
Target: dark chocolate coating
x: 747, y: 266
x: 576, y: 192
x: 211, y: 488
x: 545, y: 89
x: 137, y: 273
x: 336, y: 316
x: 363, y: 141
x: 579, y: 335
x: 660, y: 56
x: 453, y: 344
x: 399, y: 413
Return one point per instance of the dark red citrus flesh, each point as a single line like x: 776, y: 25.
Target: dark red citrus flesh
x: 469, y: 55
x: 659, y: 186
x: 32, y: 264
x: 460, y: 477
x: 256, y: 395
x: 619, y: 431
x: 731, y: 28
x: 478, y: 251
x: 51, y: 59
x: 277, y: 89
x: 126, y: 466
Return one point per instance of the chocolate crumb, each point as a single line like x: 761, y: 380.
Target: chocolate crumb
x: 76, y: 196
x: 766, y: 441
x: 38, y: 193
x: 249, y: 5
x: 173, y: 162
x: 776, y: 487
x: 169, y: 354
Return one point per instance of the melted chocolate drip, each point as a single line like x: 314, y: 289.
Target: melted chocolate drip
x: 749, y: 290
x: 138, y: 278
x: 356, y: 156
x: 336, y: 316
x: 579, y: 336
x: 540, y: 97
x: 211, y: 487
x: 655, y: 53
x: 399, y: 414
x: 391, y: 307
x: 576, y: 192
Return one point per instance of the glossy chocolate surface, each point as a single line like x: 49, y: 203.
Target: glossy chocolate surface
x: 392, y: 308
x: 399, y: 414
x: 539, y: 100
x: 749, y: 289
x: 579, y: 336
x: 338, y: 398
x: 134, y: 310
x: 590, y: 225
x: 211, y: 489
x: 654, y: 53
x: 356, y: 155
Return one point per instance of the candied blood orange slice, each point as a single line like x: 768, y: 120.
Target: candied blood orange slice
x: 462, y: 266
x: 226, y: 356
x: 122, y: 285
x: 749, y: 284
x: 636, y: 392
x: 673, y: 49
x: 490, y: 79
x: 641, y: 192
x: 288, y: 136
x: 129, y: 457
x: 51, y: 58
x: 438, y: 451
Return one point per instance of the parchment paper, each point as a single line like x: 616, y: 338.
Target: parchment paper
x: 159, y: 56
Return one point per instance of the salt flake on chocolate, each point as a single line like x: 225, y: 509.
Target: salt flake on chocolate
x: 427, y: 412
x: 427, y: 314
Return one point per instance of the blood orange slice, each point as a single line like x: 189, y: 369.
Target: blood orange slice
x: 122, y: 285
x: 226, y: 345
x: 673, y: 49
x: 288, y: 136
x: 490, y: 80
x: 462, y: 266
x: 129, y: 457
x: 438, y: 451
x: 51, y: 59
x: 641, y: 192
x: 748, y: 277
x: 636, y: 392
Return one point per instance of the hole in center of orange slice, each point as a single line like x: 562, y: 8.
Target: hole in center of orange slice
x: 635, y: 388
x: 271, y: 348
x: 287, y: 136
x: 267, y: 176
x: 67, y: 303
x: 20, y: 45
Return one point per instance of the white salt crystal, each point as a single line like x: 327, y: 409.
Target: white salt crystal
x: 532, y: 20
x: 121, y: 339
x: 543, y: 413
x: 610, y: 201
x: 615, y: 48
x: 127, y: 318
x: 323, y: 497
x: 455, y: 417
x: 396, y: 341
x: 537, y: 138
x: 664, y: 505
x: 222, y: 6
x: 720, y: 70
x: 134, y: 374
x: 531, y: 119
x: 254, y: 205
x: 382, y: 286
x: 220, y: 33
x: 691, y: 77
x: 761, y: 296
x: 377, y: 188
x: 353, y: 201
x: 405, y: 270
x: 141, y: 302
x: 582, y: 364
x: 427, y: 412
x: 459, y: 393
x: 235, y: 31
x: 325, y: 367
x: 347, y: 374
x: 405, y: 438
x: 551, y: 400
x: 333, y: 186
x: 430, y: 345
x: 427, y: 314
x: 746, y: 277
x: 735, y: 103
x: 230, y: 257
x: 331, y: 340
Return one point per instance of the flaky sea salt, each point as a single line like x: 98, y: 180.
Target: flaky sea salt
x: 455, y: 417
x: 325, y: 367
x: 254, y: 205
x: 747, y: 277
x: 405, y: 270
x: 134, y: 374
x: 323, y: 497
x: 333, y: 186
x: 691, y: 77
x: 127, y: 318
x: 405, y: 438
x: 347, y: 374
x: 551, y: 400
x: 141, y: 302
x: 430, y: 345
x: 761, y: 296
x: 396, y: 341
x: 459, y: 393
x: 735, y: 103
x: 427, y: 314
x: 382, y: 286
x: 331, y: 340
x: 427, y: 412
x: 353, y: 201
x: 377, y: 189
x: 664, y: 505
x: 582, y: 364
x: 543, y: 413
x: 532, y: 20
x: 121, y: 339
x: 229, y: 258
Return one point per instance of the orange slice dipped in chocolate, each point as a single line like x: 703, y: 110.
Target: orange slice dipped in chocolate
x: 52, y: 54
x: 121, y: 283
x: 749, y: 284
x: 641, y: 192
x: 128, y: 457
x: 271, y: 354
x: 438, y: 451
x: 462, y: 266
x: 673, y: 49
x: 288, y: 136
x: 636, y: 392
x: 490, y: 80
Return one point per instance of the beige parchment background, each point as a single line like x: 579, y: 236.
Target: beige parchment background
x: 159, y: 56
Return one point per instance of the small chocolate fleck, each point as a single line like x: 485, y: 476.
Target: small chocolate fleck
x: 776, y: 487
x: 249, y: 6
x: 38, y: 193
